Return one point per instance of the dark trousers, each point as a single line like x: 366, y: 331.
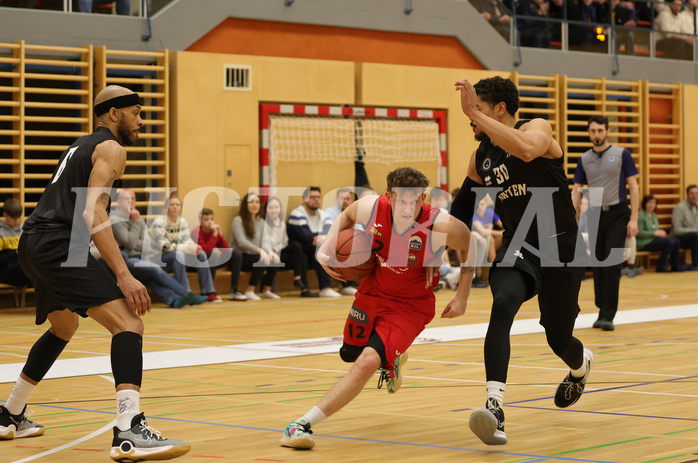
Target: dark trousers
x: 668, y: 247
x: 258, y: 271
x: 233, y: 260
x: 690, y: 241
x: 612, y: 231
x: 292, y: 257
x: 11, y: 272
x: 324, y: 280
x: 557, y: 301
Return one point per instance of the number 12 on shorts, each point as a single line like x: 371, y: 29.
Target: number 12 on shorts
x: 359, y: 330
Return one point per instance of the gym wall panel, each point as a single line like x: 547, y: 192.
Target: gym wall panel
x: 690, y: 136
x: 206, y: 119
x: 292, y: 80
x: 403, y: 86
x: 282, y: 39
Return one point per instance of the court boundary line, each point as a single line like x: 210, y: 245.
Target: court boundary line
x: 97, y: 365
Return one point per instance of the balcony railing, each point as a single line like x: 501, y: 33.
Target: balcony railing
x: 140, y: 8
x: 630, y: 28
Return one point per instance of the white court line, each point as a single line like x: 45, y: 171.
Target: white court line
x: 294, y: 348
x: 103, y: 429
x: 96, y: 433
x: 509, y: 384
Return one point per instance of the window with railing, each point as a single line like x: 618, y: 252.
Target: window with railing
x: 657, y: 29
x: 140, y: 8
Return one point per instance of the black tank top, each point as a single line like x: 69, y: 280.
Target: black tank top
x: 515, y: 178
x: 58, y: 204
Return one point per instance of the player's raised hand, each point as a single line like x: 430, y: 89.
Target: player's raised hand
x: 468, y: 97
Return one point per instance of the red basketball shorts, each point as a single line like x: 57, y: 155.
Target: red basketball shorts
x: 398, y: 323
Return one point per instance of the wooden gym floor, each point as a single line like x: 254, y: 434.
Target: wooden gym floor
x: 228, y: 378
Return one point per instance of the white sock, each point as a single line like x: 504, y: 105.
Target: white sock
x: 19, y: 396
x: 495, y: 390
x: 127, y: 406
x: 581, y: 371
x: 314, y: 416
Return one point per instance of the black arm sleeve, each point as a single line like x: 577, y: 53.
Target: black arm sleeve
x: 463, y: 206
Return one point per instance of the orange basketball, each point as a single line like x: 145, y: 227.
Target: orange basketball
x: 353, y: 257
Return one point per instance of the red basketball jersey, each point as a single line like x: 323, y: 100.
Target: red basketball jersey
x: 400, y: 257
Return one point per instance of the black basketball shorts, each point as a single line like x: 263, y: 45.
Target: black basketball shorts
x: 59, y: 287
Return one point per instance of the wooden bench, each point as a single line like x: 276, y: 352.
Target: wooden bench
x: 646, y: 258
x: 19, y: 292
x: 643, y: 258
x: 283, y: 283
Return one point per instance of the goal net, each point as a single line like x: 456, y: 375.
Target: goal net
x: 318, y: 139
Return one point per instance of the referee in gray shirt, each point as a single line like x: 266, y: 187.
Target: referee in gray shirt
x: 607, y: 169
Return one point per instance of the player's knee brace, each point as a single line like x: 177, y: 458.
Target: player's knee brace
x: 127, y: 358
x: 350, y: 353
x: 42, y: 355
x: 376, y: 343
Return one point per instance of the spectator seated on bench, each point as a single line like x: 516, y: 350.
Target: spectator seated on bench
x: 170, y: 237
x: 290, y: 253
x: 684, y: 224
x: 208, y: 235
x: 129, y: 231
x: 651, y: 238
x: 262, y: 261
x: 11, y: 272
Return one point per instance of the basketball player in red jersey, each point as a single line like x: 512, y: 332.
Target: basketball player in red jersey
x: 393, y: 304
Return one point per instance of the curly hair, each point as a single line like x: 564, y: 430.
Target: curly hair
x: 495, y: 90
x: 407, y: 177
x: 247, y: 220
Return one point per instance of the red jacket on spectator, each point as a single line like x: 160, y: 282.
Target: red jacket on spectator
x: 208, y: 241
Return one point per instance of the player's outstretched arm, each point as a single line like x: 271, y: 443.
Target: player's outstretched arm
x: 108, y: 163
x: 460, y: 238
x: 456, y: 307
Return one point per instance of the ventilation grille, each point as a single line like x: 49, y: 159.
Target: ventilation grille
x: 237, y: 78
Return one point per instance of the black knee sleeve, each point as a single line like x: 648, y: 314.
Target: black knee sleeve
x: 376, y: 343
x: 567, y: 347
x: 350, y: 353
x: 127, y: 358
x: 42, y: 355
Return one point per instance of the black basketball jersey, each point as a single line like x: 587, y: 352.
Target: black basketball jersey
x: 58, y: 204
x: 515, y: 178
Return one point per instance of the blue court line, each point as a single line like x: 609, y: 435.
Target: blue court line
x: 630, y: 415
x: 539, y: 458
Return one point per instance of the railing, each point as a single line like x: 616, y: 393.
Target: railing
x: 562, y: 25
x: 144, y: 9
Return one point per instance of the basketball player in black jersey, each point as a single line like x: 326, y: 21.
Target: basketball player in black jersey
x: 521, y: 166
x: 70, y: 283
